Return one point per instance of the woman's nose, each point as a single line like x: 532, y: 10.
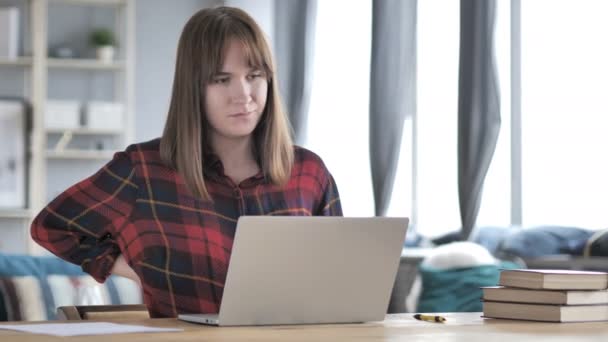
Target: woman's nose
x: 241, y: 92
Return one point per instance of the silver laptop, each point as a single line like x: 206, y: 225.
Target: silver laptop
x: 309, y: 270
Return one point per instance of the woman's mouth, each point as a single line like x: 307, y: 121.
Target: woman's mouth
x: 241, y: 114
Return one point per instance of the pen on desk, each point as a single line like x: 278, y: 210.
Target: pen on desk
x: 430, y: 318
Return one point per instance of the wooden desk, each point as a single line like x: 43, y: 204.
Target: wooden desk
x: 469, y: 327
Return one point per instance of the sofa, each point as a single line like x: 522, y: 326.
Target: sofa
x: 32, y: 287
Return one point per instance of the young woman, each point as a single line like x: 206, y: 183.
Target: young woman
x: 164, y: 212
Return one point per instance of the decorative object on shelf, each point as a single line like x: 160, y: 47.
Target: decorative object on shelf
x: 9, y: 32
x: 104, y: 42
x: 63, y: 51
x: 14, y: 119
x: 62, y: 114
x: 104, y: 115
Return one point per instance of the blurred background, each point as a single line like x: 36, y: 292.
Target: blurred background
x: 483, y: 121
x: 457, y: 114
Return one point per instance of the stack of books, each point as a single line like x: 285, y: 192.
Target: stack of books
x: 548, y: 295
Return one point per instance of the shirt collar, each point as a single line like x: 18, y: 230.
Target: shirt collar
x: 214, y: 168
x: 212, y: 161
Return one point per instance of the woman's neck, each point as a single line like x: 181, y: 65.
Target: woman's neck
x: 237, y: 157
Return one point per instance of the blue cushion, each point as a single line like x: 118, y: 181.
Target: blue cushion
x: 12, y: 265
x: 40, y: 266
x: 545, y: 240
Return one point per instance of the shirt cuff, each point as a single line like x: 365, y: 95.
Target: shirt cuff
x: 100, y: 268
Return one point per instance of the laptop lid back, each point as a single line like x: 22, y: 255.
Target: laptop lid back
x: 308, y: 270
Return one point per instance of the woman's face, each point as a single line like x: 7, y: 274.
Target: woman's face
x: 236, y: 96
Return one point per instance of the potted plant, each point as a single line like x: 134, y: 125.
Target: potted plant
x: 104, y: 42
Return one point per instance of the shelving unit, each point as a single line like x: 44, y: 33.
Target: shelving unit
x: 15, y: 213
x: 84, y: 131
x: 91, y: 2
x: 50, y: 166
x: 80, y: 154
x: 21, y: 61
x: 90, y: 64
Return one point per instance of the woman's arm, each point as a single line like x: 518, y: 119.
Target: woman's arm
x: 330, y: 199
x: 80, y: 224
x: 123, y: 269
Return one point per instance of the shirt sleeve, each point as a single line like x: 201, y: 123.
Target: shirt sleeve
x: 81, y: 223
x: 330, y: 199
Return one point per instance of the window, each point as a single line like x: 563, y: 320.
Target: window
x: 564, y: 112
x: 437, y: 118
x: 340, y: 99
x: 564, y: 116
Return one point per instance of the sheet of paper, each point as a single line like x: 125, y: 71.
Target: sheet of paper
x: 89, y: 328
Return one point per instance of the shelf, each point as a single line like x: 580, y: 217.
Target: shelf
x: 81, y: 63
x: 66, y: 63
x: 19, y: 61
x: 91, y: 2
x: 84, y: 131
x: 80, y: 154
x: 14, y: 213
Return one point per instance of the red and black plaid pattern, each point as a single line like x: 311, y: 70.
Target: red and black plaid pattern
x: 179, y: 245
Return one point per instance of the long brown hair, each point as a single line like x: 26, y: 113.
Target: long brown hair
x: 200, y: 54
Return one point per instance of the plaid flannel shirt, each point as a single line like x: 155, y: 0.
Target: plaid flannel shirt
x: 178, y: 245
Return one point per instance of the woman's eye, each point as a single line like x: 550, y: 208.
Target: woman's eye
x: 220, y: 80
x: 255, y: 75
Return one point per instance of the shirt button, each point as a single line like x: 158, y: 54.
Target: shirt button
x: 105, y: 237
x: 237, y: 193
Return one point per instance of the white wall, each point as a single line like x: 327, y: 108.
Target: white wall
x: 261, y: 10
x: 158, y: 26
